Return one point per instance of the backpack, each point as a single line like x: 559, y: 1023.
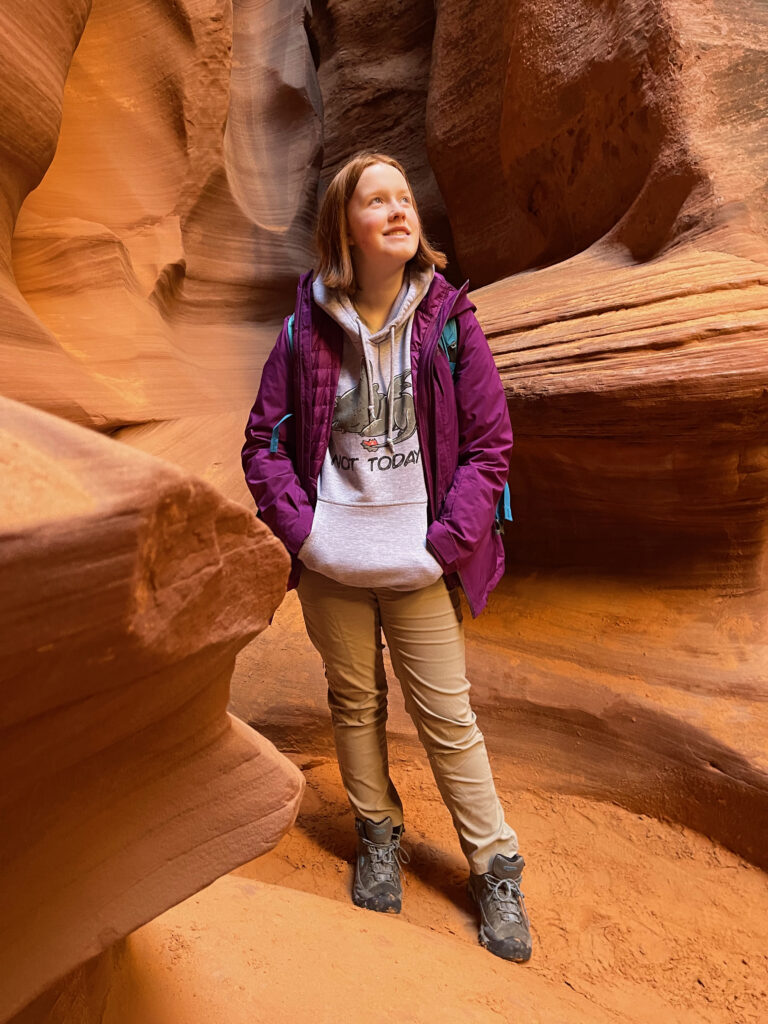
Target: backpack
x: 448, y: 343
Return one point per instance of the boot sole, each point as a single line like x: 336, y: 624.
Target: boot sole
x: 372, y: 903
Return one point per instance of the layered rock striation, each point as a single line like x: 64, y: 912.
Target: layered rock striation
x: 127, y: 589
x: 600, y: 174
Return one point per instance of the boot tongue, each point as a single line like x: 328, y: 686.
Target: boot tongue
x: 507, y: 867
x: 379, y: 832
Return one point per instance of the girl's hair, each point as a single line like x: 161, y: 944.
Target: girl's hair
x: 335, y: 265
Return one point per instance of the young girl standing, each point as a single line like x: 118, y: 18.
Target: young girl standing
x: 377, y: 451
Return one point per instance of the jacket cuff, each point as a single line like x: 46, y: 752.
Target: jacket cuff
x: 300, y: 529
x: 442, y: 546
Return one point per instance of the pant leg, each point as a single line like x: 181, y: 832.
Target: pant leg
x: 426, y: 641
x: 344, y: 626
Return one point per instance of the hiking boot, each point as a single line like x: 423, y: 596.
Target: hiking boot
x: 377, y: 866
x: 504, y: 926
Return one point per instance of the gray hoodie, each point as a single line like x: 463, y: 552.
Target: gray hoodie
x: 370, y: 523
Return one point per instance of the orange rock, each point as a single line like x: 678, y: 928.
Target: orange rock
x: 128, y: 588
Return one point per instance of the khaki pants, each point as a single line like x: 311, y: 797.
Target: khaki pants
x: 426, y: 641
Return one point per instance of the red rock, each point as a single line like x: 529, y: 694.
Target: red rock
x: 143, y: 270
x: 127, y: 589
x: 554, y: 126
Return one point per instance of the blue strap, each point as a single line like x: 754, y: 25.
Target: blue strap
x: 503, y: 510
x: 275, y: 440
x: 507, y: 504
x: 275, y: 433
x: 447, y: 343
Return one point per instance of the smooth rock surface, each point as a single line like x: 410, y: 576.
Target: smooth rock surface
x: 126, y: 589
x: 242, y: 951
x: 555, y: 126
x: 138, y: 266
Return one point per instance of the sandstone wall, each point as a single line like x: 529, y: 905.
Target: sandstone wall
x: 612, y: 123
x: 127, y: 585
x: 127, y: 589
x: 599, y: 172
x: 150, y: 246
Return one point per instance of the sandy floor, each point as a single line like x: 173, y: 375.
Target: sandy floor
x: 647, y: 921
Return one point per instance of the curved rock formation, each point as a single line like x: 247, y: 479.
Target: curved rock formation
x: 148, y: 245
x: 127, y: 589
x: 591, y: 122
x: 631, y: 630
x: 619, y: 149
x: 261, y: 938
x: 374, y: 84
x: 38, y: 46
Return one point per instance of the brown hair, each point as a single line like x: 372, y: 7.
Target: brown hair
x: 335, y: 265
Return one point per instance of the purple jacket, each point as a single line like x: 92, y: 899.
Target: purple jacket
x: 462, y: 421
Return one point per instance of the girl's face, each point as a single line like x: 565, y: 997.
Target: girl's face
x: 382, y: 225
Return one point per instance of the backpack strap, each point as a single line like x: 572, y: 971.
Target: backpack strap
x: 275, y: 439
x: 449, y: 343
x: 503, y: 510
x: 290, y: 332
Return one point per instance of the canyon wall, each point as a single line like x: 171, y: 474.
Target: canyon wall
x: 127, y: 589
x: 598, y: 171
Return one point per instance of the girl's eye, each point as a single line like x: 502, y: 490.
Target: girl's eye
x: 406, y: 200
x: 376, y: 199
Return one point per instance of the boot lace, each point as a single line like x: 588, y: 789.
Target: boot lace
x: 506, y: 898
x: 387, y: 859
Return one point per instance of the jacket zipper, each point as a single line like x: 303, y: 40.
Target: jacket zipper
x: 304, y: 424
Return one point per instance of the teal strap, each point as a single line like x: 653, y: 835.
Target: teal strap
x: 507, y: 504
x: 503, y: 510
x: 448, y: 343
x: 275, y: 433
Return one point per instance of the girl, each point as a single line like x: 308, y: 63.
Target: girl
x: 376, y: 451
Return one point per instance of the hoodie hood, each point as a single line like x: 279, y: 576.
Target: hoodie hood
x: 339, y: 306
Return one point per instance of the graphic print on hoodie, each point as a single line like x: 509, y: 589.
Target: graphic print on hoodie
x: 370, y: 523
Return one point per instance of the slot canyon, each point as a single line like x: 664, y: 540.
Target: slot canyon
x: 176, y: 842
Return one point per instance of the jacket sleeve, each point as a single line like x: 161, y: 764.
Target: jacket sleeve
x: 271, y: 475
x: 485, y: 446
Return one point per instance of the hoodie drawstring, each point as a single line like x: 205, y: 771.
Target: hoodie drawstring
x: 368, y: 372
x: 390, y: 390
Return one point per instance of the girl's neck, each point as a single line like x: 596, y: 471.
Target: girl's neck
x: 375, y: 296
